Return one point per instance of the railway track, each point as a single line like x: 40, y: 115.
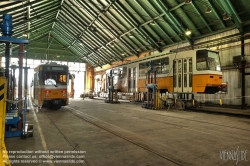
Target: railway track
x: 216, y: 110
x: 143, y: 142
x: 204, y: 122
x: 91, y: 120
x: 192, y: 120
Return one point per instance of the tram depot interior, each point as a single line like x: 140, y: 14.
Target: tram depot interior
x: 125, y: 82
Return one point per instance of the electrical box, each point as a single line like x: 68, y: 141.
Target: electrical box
x: 238, y: 59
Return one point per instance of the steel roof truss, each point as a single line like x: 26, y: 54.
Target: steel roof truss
x: 155, y: 22
x: 231, y: 11
x: 112, y: 32
x: 216, y: 14
x: 131, y: 21
x: 201, y: 17
x: 174, y: 23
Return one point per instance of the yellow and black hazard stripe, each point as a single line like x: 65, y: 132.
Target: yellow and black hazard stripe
x: 2, y: 95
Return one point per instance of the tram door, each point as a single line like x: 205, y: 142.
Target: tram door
x: 182, y: 78
x: 36, y: 84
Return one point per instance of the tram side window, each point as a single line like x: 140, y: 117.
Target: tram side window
x: 161, y: 65
x: 157, y: 66
x: 165, y: 65
x: 124, y: 72
x: 185, y: 80
x: 190, y: 65
x: 175, y: 77
x: 35, y: 79
x: 40, y: 77
x: 190, y: 72
x: 62, y: 78
x: 143, y: 68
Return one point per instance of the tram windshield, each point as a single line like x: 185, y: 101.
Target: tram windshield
x: 54, y: 78
x: 208, y: 60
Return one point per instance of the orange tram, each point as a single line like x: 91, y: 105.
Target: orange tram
x: 49, y: 87
x: 193, y: 71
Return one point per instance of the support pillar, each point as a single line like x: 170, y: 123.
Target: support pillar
x: 7, y: 71
x: 243, y: 74
x: 90, y: 78
x: 20, y: 81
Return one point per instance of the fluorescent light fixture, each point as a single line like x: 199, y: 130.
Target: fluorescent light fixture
x: 152, y: 23
x: 188, y: 32
x: 131, y: 36
x: 226, y: 17
x: 208, y: 10
x: 188, y: 1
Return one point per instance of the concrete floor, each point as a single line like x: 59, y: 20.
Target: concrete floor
x: 126, y: 134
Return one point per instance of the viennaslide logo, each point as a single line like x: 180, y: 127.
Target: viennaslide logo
x: 236, y: 155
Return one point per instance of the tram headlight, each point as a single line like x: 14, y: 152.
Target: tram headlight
x: 47, y: 95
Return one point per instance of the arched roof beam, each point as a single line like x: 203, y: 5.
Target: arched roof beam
x: 57, y: 14
x: 82, y: 40
x: 203, y: 20
x: 229, y: 9
x: 132, y: 22
x: 95, y: 17
x: 216, y: 13
x: 59, y: 37
x: 88, y: 48
x: 155, y: 21
x: 93, y: 36
x: 174, y: 23
x: 126, y: 46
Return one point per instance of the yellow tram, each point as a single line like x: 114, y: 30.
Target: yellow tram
x: 49, y: 86
x: 193, y: 71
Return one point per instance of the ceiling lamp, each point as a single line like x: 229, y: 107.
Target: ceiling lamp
x: 152, y: 23
x: 188, y: 32
x: 131, y: 35
x: 188, y: 1
x: 25, y: 35
x: 208, y: 10
x: 226, y: 17
x: 112, y: 45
